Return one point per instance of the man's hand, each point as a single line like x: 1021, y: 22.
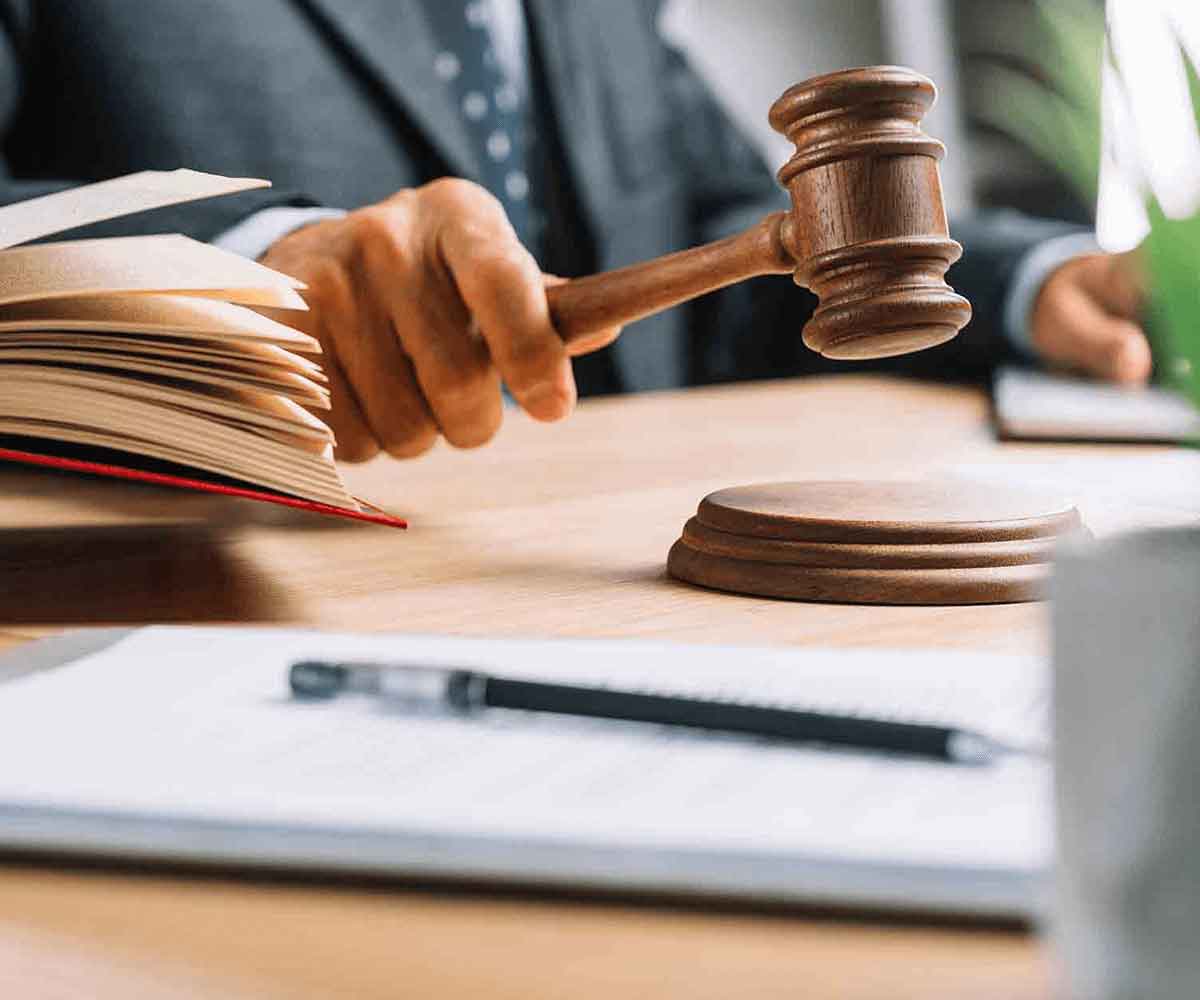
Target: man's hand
x: 423, y: 303
x: 1086, y: 318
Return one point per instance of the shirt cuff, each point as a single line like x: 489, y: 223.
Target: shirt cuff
x: 255, y: 234
x: 1031, y: 274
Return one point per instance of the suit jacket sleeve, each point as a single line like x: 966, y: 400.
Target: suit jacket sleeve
x: 753, y: 329
x: 201, y: 220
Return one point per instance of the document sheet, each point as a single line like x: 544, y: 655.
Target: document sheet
x: 1031, y: 405
x: 185, y: 744
x: 88, y: 203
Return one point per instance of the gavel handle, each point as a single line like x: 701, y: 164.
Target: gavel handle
x: 587, y: 305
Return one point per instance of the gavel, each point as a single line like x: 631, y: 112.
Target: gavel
x: 866, y: 231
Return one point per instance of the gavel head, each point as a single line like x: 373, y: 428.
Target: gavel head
x: 867, y: 230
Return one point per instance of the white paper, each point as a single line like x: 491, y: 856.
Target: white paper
x: 111, y: 199
x: 1037, y: 405
x: 198, y: 725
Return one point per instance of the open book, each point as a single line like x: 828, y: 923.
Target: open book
x: 141, y: 358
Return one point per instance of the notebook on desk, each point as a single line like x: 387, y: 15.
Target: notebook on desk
x: 1038, y: 406
x: 184, y: 745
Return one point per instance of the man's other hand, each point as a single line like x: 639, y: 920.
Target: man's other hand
x: 1086, y: 317
x: 423, y: 304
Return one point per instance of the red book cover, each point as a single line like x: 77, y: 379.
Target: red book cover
x: 96, y: 468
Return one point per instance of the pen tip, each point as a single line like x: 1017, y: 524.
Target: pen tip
x: 970, y: 748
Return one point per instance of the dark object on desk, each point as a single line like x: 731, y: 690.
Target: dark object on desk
x: 874, y: 542
x: 866, y: 231
x: 471, y: 690
x: 1037, y: 406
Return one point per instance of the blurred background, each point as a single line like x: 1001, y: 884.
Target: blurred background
x: 752, y: 50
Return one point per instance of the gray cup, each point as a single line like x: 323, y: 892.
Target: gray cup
x: 1127, y: 766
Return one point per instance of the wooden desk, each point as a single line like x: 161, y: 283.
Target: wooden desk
x: 554, y: 530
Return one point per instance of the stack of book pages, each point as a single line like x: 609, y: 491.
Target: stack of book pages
x: 144, y: 357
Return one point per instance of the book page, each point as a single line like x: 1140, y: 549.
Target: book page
x: 233, y: 352
x: 111, y: 199
x: 291, y: 384
x: 208, y: 449
x: 199, y: 726
x: 247, y: 370
x: 140, y: 264
x: 239, y: 405
x: 173, y: 314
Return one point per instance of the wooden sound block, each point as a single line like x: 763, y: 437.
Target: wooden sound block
x: 874, y: 542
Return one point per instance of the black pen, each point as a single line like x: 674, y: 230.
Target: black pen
x: 471, y: 690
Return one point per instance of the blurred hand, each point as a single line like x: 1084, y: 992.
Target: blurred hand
x: 423, y: 303
x: 1086, y: 318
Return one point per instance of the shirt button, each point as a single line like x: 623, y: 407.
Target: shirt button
x: 499, y: 145
x: 447, y: 66
x: 475, y: 105
x: 507, y: 97
x: 516, y: 184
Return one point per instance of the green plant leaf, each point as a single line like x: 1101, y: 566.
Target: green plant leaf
x: 1193, y: 78
x: 1075, y: 32
x: 1173, y: 257
x: 1055, y: 112
x: 1046, y: 123
x: 1173, y: 253
x: 1054, y: 107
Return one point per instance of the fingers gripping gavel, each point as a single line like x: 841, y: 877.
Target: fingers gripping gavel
x: 866, y: 232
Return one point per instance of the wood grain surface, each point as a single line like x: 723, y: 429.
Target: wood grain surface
x: 887, y: 511
x: 875, y: 542
x: 554, y: 530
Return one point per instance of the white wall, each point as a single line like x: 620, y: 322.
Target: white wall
x: 750, y: 51
x: 919, y: 33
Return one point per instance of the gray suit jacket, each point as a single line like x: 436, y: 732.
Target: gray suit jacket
x: 336, y: 101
